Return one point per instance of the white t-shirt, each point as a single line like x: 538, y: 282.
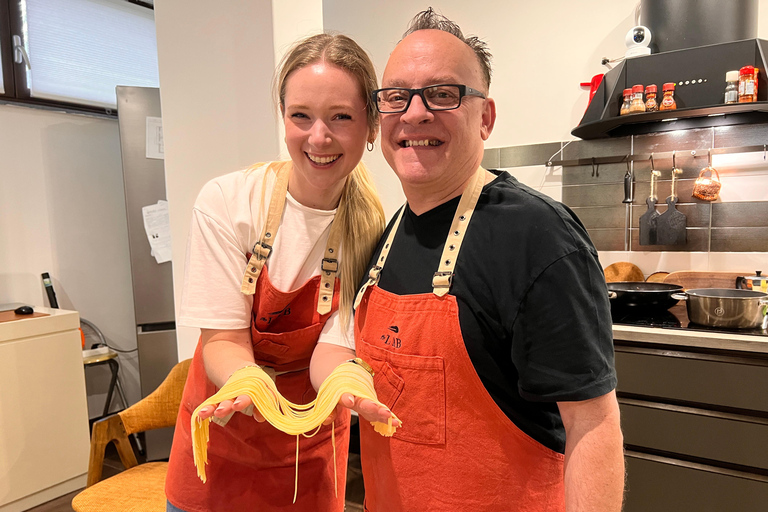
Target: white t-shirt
x: 227, y: 221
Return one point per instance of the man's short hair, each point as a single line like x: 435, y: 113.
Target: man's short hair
x: 430, y: 19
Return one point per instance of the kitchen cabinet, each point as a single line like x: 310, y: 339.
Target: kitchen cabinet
x: 695, y: 419
x: 44, y: 434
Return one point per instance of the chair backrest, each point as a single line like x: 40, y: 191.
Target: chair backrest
x: 160, y: 408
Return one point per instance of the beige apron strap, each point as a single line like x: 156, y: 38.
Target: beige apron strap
x: 373, y: 274
x: 328, y: 269
x: 441, y: 282
x: 263, y: 248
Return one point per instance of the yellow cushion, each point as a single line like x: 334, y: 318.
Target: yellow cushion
x: 139, y: 489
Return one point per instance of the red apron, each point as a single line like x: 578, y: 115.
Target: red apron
x: 252, y: 465
x: 456, y: 450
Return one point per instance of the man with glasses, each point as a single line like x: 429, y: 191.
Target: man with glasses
x: 485, y: 314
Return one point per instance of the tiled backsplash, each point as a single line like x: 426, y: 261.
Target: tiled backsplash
x: 737, y: 222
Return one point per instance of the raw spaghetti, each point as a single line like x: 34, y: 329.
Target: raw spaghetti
x: 352, y: 377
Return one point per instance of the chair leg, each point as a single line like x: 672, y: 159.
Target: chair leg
x: 121, y: 394
x: 114, y: 367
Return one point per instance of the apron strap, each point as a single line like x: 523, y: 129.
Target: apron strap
x: 373, y: 274
x: 328, y: 269
x: 263, y: 248
x: 441, y: 281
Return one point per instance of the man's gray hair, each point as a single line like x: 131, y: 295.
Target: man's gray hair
x: 430, y: 19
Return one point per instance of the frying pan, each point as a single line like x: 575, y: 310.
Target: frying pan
x: 643, y: 295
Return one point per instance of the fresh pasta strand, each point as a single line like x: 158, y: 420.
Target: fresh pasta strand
x: 352, y: 377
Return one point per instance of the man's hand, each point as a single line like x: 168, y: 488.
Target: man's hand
x: 365, y: 408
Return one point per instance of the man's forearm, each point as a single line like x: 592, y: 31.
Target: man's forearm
x: 594, y: 455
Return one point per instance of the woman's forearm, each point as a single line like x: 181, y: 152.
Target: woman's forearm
x: 225, y: 351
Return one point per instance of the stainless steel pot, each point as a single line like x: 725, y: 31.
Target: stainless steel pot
x: 725, y: 307
x: 758, y: 282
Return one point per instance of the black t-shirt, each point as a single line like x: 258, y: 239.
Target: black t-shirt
x: 533, y: 304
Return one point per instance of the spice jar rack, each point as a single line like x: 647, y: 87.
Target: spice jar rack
x: 700, y: 77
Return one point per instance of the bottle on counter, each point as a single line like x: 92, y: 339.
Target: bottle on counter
x: 747, y: 84
x: 732, y: 87
x: 637, y: 104
x: 651, y: 105
x: 627, y: 100
x: 668, y: 101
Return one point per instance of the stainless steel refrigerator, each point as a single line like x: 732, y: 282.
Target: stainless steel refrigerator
x: 144, y: 180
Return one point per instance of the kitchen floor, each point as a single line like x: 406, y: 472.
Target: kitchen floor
x: 112, y: 466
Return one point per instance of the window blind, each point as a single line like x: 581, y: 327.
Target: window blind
x: 80, y: 50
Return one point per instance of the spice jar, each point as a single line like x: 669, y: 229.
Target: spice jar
x: 668, y: 101
x: 747, y: 85
x: 651, y: 105
x: 732, y: 87
x: 637, y: 104
x: 627, y: 101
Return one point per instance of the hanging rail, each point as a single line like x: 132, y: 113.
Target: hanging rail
x: 598, y: 160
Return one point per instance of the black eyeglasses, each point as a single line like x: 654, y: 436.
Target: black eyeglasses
x: 394, y: 100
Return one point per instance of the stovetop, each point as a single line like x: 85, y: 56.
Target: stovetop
x: 674, y: 318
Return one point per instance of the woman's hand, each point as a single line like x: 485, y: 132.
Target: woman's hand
x: 227, y: 408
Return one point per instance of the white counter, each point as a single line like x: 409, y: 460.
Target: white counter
x: 755, y: 344
x: 44, y: 436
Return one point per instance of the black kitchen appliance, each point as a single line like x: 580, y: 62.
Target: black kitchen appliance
x: 699, y: 75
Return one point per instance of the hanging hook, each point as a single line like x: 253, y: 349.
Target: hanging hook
x: 709, y: 157
x: 652, y: 165
x: 764, y: 150
x: 674, y: 164
x: 595, y: 169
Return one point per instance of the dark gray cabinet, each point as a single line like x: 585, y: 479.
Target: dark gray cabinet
x: 695, y: 425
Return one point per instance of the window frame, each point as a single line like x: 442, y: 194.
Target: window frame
x: 17, y: 91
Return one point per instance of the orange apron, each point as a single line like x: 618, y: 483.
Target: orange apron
x: 456, y: 449
x: 251, y: 465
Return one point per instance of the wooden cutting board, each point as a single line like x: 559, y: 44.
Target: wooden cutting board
x: 689, y: 279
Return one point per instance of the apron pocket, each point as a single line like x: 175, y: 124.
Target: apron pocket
x: 413, y: 387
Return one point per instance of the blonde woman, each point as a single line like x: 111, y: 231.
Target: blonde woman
x: 274, y: 258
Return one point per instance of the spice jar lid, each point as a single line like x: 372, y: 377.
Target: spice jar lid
x: 747, y: 70
x: 669, y: 86
x: 637, y: 88
x: 650, y: 88
x: 627, y: 92
x: 732, y: 76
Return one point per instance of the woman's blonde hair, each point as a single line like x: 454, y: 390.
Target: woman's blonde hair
x: 359, y: 212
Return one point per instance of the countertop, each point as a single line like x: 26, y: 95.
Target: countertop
x: 732, y: 341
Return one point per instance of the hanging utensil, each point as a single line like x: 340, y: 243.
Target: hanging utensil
x: 647, y: 222
x: 670, y: 225
x: 628, y: 198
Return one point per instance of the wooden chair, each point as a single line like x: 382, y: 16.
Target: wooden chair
x: 141, y: 487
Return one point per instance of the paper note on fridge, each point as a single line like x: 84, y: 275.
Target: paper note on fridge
x: 155, y: 147
x: 158, y: 227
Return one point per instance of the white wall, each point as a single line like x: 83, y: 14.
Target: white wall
x: 62, y: 211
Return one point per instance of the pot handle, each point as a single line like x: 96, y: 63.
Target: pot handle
x: 679, y: 296
x: 611, y: 295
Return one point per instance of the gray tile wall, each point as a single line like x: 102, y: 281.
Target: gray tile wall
x: 595, y: 193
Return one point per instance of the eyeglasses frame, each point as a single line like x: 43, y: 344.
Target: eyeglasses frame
x: 464, y: 90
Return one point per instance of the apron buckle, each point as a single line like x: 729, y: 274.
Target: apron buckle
x: 262, y: 250
x: 333, y: 265
x: 442, y: 279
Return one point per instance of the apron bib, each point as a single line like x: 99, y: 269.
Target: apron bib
x: 252, y: 465
x: 456, y: 449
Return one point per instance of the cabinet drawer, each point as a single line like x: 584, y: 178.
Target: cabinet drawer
x: 662, y: 484
x: 727, y: 438
x: 692, y: 377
